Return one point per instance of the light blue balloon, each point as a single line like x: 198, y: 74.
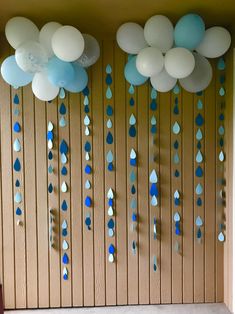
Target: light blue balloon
x: 189, y: 31
x: 131, y: 73
x: 13, y: 75
x: 79, y: 81
x: 60, y: 73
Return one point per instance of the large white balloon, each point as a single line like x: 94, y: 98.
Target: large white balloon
x: 91, y: 52
x: 42, y: 88
x: 201, y: 76
x: 31, y: 57
x: 19, y: 29
x: 159, y: 32
x: 150, y: 61
x: 130, y: 38
x: 68, y: 43
x: 163, y: 82
x: 179, y: 62
x: 45, y: 36
x: 216, y: 42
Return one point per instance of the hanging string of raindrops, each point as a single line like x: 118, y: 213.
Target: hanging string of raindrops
x: 199, y: 162
x: 110, y: 160
x: 176, y: 165
x: 17, y: 139
x: 87, y: 150
x: 221, y: 132
x: 153, y: 177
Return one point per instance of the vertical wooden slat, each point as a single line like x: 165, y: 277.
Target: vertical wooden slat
x: 109, y: 176
x: 210, y: 198
x: 188, y: 195
x: 100, y: 206
x: 143, y: 217
x: 42, y: 206
x: 54, y: 207
x: 30, y: 198
x: 165, y: 161
x: 7, y: 200
x: 121, y: 178
x: 76, y: 199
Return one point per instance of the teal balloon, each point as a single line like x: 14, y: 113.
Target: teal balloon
x: 59, y: 73
x: 132, y: 75
x: 189, y: 31
x: 13, y: 75
x: 79, y: 81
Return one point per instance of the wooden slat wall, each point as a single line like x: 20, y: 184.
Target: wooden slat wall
x: 32, y: 272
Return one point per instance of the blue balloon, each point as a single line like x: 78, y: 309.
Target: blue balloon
x: 13, y: 75
x: 189, y: 31
x: 60, y: 73
x: 79, y: 81
x: 132, y: 75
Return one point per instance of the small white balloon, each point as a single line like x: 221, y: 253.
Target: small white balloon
x: 91, y: 51
x: 149, y: 61
x: 179, y: 62
x: 42, y: 88
x: 19, y: 30
x: 68, y: 43
x: 201, y: 76
x: 163, y: 82
x: 45, y: 36
x: 215, y: 43
x: 159, y: 32
x: 130, y: 38
x: 31, y: 57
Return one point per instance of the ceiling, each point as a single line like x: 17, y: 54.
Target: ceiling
x: 102, y: 17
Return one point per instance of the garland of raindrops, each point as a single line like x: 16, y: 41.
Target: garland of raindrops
x: 199, y: 121
x: 110, y: 161
x: 64, y: 188
x: 176, y: 130
x: 87, y: 151
x: 17, y: 111
x: 153, y: 177
x: 133, y: 164
x: 221, y: 131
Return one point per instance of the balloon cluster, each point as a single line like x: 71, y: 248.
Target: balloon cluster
x: 54, y: 58
x: 166, y: 54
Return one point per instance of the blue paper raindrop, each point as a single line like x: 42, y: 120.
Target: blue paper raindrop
x: 50, y: 188
x: 199, y: 201
x: 109, y: 138
x: 176, y: 145
x: 110, y: 166
x: 132, y: 101
x: 199, y: 172
x: 177, y: 201
x: 108, y: 79
x: 64, y: 171
x: 153, y: 105
x: 133, y: 162
x: 18, y: 211
x: 154, y: 190
x: 88, y: 222
x: 87, y: 147
x: 64, y: 232
x: 86, y: 91
x: 63, y: 147
x: 65, y: 276
x: 64, y: 205
x: 176, y: 110
x: 17, y: 127
x: 134, y: 217
x: 177, y: 174
x: 62, y: 109
x: 153, y: 129
x: 111, y: 224
x: 50, y: 155
x: 221, y: 117
x: 17, y: 165
x: 111, y: 249
x: 17, y: 183
x: 16, y: 99
x: 221, y: 142
x: 109, y: 111
x: 50, y: 135
x: 86, y: 109
x: 65, y: 259
x: 110, y: 202
x: 88, y: 169
x: 133, y: 189
x: 199, y: 145
x: 88, y: 201
x: 199, y: 120
x: 199, y: 233
x: 132, y: 131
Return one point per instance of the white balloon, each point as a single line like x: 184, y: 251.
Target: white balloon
x: 42, y: 88
x: 68, y: 43
x: 45, y: 36
x: 149, y: 61
x: 179, y: 62
x: 130, y: 38
x: 159, y: 32
x: 215, y: 43
x: 163, y: 82
x: 91, y: 51
x: 19, y: 29
x: 201, y: 76
x: 31, y: 57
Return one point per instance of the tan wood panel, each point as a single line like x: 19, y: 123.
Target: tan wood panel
x: 53, y: 209
x: 42, y: 206
x: 143, y: 216
x: 19, y: 221
x: 76, y: 200
x: 109, y: 176
x: 121, y: 177
x: 30, y: 198
x: 166, y: 221
x: 7, y: 198
x: 210, y: 186
x: 100, y: 205
x: 188, y: 196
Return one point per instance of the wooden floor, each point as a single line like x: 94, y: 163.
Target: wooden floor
x: 162, y: 309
